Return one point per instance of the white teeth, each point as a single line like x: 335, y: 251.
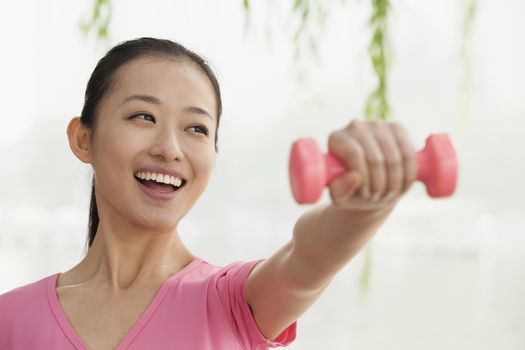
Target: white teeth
x: 161, y: 178
x: 175, y: 181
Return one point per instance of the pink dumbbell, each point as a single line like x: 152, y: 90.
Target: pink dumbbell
x: 311, y: 170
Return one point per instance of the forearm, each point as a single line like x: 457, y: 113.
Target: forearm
x: 326, y: 238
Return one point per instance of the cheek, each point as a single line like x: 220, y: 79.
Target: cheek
x: 113, y: 149
x: 205, y: 162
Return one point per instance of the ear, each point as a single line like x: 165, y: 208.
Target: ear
x: 79, y: 140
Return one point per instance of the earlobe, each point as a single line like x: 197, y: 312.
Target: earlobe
x: 79, y: 140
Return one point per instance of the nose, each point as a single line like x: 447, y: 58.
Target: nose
x: 167, y: 147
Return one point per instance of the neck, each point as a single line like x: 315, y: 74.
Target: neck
x: 121, y: 259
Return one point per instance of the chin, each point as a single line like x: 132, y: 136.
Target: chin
x: 157, y: 222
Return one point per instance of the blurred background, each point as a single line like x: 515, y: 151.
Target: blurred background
x: 440, y: 274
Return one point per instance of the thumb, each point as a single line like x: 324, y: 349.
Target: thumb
x: 344, y: 187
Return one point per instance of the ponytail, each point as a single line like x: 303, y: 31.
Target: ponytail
x: 93, y: 216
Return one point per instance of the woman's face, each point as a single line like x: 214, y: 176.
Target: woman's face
x: 159, y: 117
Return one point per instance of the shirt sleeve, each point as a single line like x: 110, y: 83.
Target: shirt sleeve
x: 229, y: 283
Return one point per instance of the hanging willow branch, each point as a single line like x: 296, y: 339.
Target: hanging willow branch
x: 99, y: 20
x: 377, y: 105
x: 309, y: 18
x: 469, y: 14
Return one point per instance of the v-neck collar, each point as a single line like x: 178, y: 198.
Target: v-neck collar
x: 75, y: 339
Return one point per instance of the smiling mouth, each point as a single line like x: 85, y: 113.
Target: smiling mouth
x: 160, y: 184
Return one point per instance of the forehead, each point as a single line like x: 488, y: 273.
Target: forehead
x: 172, y: 80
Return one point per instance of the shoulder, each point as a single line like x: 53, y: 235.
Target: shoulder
x: 226, y: 282
x: 22, y: 308
x: 25, y: 296
x: 216, y: 279
x: 204, y: 270
x: 238, y: 269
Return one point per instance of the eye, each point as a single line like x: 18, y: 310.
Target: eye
x: 201, y: 129
x: 144, y: 116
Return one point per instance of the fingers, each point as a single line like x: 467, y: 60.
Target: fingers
x: 393, y: 160
x: 344, y: 187
x: 408, y: 154
x: 369, y: 134
x: 381, y: 153
x: 351, y: 152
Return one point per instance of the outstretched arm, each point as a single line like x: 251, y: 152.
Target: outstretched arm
x: 383, y: 167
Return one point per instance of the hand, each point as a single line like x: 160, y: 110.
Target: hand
x: 381, y: 162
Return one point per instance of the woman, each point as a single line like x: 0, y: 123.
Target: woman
x: 149, y: 130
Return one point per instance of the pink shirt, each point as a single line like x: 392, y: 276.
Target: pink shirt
x: 200, y: 307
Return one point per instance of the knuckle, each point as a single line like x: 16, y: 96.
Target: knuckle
x: 335, y: 137
x: 355, y: 125
x: 395, y: 162
x: 377, y: 160
x: 353, y: 149
x: 376, y: 124
x: 345, y: 145
x: 397, y: 127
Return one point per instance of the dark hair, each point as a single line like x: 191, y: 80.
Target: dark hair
x: 102, y: 80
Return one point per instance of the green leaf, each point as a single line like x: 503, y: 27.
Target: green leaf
x: 99, y: 21
x: 376, y: 105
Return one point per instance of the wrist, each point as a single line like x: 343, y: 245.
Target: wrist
x: 365, y: 217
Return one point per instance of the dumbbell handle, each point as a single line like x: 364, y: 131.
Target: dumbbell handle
x: 311, y: 171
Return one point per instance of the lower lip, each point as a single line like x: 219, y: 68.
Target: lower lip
x: 156, y: 194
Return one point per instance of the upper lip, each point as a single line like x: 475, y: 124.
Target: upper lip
x: 160, y: 170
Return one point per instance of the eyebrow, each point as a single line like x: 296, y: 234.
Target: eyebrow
x: 156, y: 101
